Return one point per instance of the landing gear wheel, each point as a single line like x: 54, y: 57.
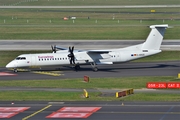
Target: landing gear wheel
x: 77, y: 67
x: 95, y: 69
x: 15, y: 70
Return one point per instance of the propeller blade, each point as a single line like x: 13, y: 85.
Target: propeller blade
x: 71, y: 55
x: 53, y: 48
x: 72, y: 50
x: 69, y: 49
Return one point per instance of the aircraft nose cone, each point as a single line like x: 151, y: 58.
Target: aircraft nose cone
x: 10, y: 65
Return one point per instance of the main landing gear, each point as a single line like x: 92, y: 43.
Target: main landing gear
x: 77, y: 67
x: 95, y: 69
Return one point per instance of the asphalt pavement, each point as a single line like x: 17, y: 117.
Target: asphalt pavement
x: 130, y: 69
x: 91, y: 110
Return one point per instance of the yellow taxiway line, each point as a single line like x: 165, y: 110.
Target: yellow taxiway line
x: 48, y: 73
x: 40, y: 72
x: 36, y: 112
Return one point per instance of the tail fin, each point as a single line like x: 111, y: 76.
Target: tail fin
x: 154, y: 40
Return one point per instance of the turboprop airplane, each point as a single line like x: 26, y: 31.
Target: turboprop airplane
x: 64, y: 57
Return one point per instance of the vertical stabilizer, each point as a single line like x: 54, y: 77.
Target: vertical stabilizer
x: 154, y: 40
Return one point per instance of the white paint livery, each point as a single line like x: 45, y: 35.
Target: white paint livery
x: 94, y: 57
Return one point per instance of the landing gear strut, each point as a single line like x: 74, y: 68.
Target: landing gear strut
x: 95, y: 69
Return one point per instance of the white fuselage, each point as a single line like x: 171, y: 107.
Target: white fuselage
x: 61, y: 58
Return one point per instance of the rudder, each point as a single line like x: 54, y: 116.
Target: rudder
x: 155, y: 37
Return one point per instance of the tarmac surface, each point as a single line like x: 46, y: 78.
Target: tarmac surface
x: 130, y: 69
x: 94, y: 110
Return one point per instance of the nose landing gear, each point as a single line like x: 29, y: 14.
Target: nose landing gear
x: 15, y: 70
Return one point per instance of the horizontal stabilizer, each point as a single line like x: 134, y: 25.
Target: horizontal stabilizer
x: 159, y: 26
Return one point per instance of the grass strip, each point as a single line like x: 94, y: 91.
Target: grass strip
x: 41, y: 95
x: 103, y: 23
x: 95, y: 83
x: 78, y: 96
x: 152, y: 97
x: 83, y: 32
x: 86, y: 2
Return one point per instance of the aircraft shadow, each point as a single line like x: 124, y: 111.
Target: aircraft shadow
x: 116, y: 69
x: 106, y: 68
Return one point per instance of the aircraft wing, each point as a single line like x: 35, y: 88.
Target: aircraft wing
x: 92, y: 55
x: 98, y: 51
x: 89, y: 51
x: 61, y: 48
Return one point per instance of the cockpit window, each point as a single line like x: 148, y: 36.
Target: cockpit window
x: 21, y: 58
x: 18, y: 58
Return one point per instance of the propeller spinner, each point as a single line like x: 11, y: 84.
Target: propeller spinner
x: 71, y: 55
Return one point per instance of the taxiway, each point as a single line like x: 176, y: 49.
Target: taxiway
x: 95, y: 110
x: 130, y: 69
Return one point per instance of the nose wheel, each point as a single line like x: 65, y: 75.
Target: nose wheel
x: 15, y: 70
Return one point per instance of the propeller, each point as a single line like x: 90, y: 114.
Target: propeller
x: 71, y: 55
x: 53, y: 48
